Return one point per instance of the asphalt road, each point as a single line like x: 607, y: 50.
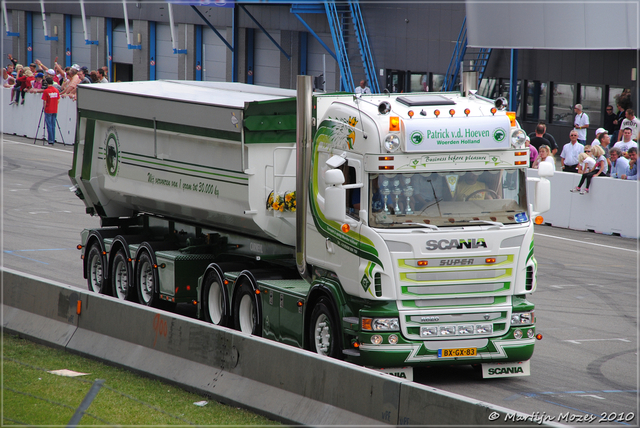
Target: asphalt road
x: 586, y: 366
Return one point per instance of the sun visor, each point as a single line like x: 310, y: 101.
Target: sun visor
x: 453, y: 134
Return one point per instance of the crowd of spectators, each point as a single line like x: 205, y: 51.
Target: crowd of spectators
x: 612, y: 153
x: 33, y: 79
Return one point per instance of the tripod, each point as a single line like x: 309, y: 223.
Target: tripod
x: 44, y: 128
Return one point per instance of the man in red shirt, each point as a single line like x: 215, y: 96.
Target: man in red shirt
x: 50, y: 98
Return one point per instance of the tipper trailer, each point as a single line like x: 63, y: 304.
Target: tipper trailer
x: 390, y: 230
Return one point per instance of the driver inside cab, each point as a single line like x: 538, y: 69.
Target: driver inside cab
x: 469, y: 184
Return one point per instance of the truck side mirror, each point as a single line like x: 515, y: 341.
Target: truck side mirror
x: 334, y: 196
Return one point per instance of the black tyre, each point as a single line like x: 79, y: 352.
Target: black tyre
x: 214, y: 299
x: 245, y: 311
x: 121, y: 276
x: 95, y: 269
x: 324, y: 334
x: 147, y: 280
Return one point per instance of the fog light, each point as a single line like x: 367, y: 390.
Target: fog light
x: 530, y: 333
x: 517, y: 334
x: 376, y: 339
x: 447, y: 330
x: 428, y: 331
x: 484, y: 328
x: 393, y: 339
x: 465, y: 329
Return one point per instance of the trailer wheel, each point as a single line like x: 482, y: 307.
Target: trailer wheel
x: 246, y: 312
x: 324, y: 333
x: 214, y: 299
x: 147, y: 279
x: 95, y: 269
x: 121, y: 277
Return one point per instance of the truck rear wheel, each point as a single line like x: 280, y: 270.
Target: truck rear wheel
x: 214, y: 298
x: 121, y: 277
x: 324, y: 333
x: 95, y: 269
x: 147, y: 278
x: 246, y: 318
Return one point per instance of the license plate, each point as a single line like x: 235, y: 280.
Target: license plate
x: 457, y: 352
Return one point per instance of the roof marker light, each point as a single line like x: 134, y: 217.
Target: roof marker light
x: 467, y: 111
x: 452, y: 112
x: 437, y: 112
x: 410, y: 113
x: 493, y: 111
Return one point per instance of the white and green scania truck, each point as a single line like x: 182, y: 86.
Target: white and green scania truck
x: 390, y: 230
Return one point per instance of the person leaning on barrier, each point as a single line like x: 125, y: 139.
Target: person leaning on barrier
x: 544, y: 155
x: 619, y: 164
x: 50, y: 100
x: 632, y: 169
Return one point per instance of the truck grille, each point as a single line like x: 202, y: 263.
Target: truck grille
x: 441, y: 324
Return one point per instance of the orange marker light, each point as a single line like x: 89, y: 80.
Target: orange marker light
x: 521, y: 163
x: 356, y: 344
x: 78, y: 307
x: 452, y: 112
x: 394, y: 123
x: 521, y: 153
x: 490, y: 260
x: 300, y: 303
x: 226, y: 282
x: 385, y: 158
x: 345, y: 228
x: 493, y: 111
x: 423, y: 262
x: 410, y: 113
x: 188, y: 287
x: 79, y: 246
x: 437, y: 113
x: 539, y: 336
x: 257, y: 291
x: 467, y: 111
x: 539, y: 219
x: 366, y: 324
x: 385, y: 167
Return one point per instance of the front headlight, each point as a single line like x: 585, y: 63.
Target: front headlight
x: 391, y: 143
x: 522, y: 318
x: 386, y: 324
x: 518, y: 136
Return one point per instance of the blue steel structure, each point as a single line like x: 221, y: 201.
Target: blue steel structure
x: 478, y: 58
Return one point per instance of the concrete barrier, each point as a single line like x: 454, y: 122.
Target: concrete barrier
x: 611, y: 207
x: 266, y: 377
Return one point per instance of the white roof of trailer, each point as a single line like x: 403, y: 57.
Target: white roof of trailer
x: 226, y: 94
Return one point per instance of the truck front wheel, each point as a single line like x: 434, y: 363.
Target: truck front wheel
x: 95, y: 269
x: 147, y: 279
x: 121, y: 277
x: 324, y: 333
x: 214, y: 299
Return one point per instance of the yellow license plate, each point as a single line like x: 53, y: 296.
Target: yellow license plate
x: 457, y: 352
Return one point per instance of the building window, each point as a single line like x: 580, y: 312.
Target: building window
x: 615, y: 93
x: 563, y: 103
x: 489, y: 88
x: 419, y: 82
x: 591, y: 100
x: 536, y: 108
x: 438, y: 81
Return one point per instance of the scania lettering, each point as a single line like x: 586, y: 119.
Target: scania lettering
x: 445, y: 244
x: 323, y: 221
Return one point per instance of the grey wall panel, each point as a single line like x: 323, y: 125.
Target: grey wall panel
x: 121, y: 52
x: 166, y: 60
x: 266, y: 65
x: 80, y: 52
x: 41, y: 47
x: 552, y: 25
x: 215, y: 55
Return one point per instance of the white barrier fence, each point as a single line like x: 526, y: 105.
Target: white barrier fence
x: 611, y: 207
x: 23, y: 119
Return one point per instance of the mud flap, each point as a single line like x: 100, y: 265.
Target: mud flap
x: 514, y: 369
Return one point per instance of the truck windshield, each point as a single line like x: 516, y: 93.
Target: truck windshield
x: 447, y: 198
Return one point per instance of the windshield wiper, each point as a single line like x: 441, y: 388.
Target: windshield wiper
x: 412, y: 223
x: 493, y: 223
